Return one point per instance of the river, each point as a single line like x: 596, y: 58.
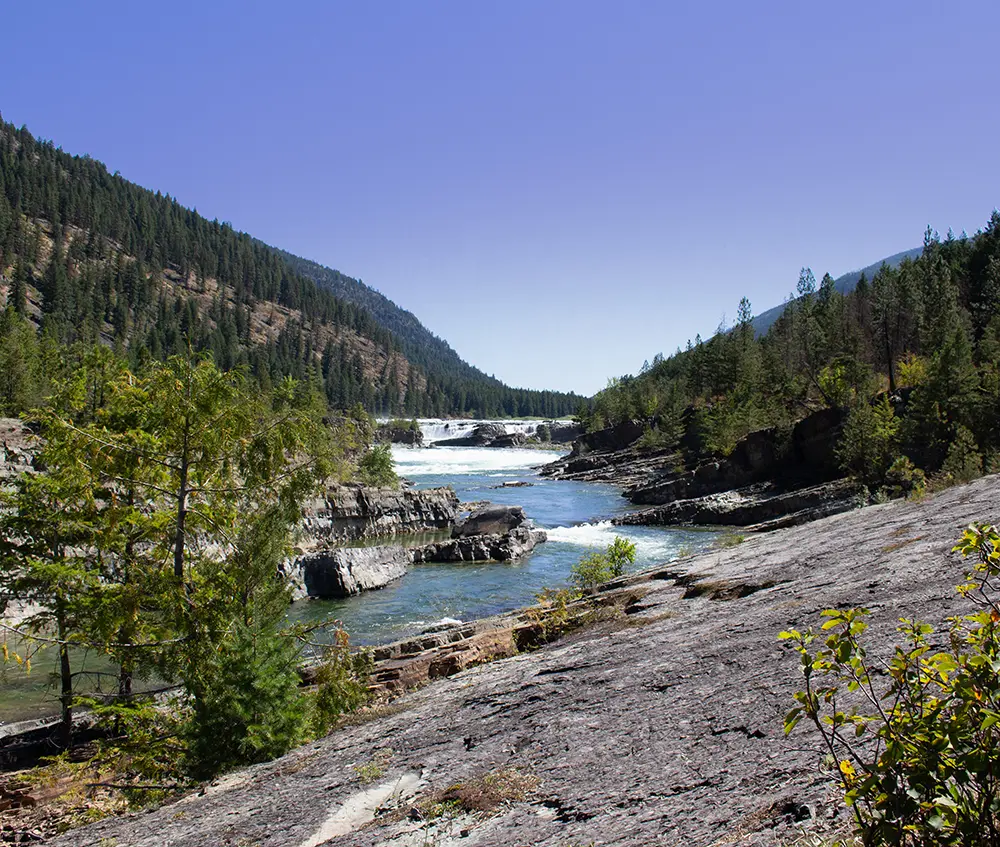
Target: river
x: 577, y: 517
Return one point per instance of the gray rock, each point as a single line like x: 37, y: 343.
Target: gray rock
x: 513, y: 439
x: 399, y: 435
x: 493, y: 547
x: 490, y: 520
x: 662, y: 729
x: 481, y: 436
x: 355, y: 511
x: 761, y: 507
x: 331, y: 574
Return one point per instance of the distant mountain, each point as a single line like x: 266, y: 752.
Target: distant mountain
x: 844, y: 284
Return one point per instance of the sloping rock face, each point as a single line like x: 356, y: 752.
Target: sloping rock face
x: 493, y: 547
x: 354, y: 511
x: 760, y: 507
x: 490, y: 519
x: 331, y: 574
x: 664, y: 727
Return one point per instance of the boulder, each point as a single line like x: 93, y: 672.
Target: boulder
x: 613, y: 438
x: 483, y: 435
x: 490, y: 519
x: 332, y: 574
x: 512, y: 439
x: 390, y: 434
x: 495, y: 547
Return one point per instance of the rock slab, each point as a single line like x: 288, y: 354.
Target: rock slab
x: 491, y: 547
x: 665, y: 730
x: 333, y: 574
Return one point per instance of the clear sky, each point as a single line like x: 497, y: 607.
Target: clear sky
x: 559, y: 189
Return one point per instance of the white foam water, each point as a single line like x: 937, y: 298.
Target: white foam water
x: 463, y: 461
x: 437, y: 429
x: 650, y: 546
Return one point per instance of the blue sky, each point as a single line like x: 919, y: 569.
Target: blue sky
x: 559, y: 189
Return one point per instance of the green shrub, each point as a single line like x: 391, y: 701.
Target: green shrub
x: 597, y: 568
x: 904, y: 479
x: 918, y: 760
x: 341, y: 683
x: 376, y: 467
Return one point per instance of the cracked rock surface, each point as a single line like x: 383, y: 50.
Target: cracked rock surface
x: 663, y: 727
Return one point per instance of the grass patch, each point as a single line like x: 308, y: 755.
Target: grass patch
x: 375, y: 768
x: 729, y: 539
x: 899, y: 545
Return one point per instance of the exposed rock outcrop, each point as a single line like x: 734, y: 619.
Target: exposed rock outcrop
x: 762, y: 506
x: 490, y: 519
x: 492, y: 547
x: 332, y: 574
x: 389, y: 434
x: 354, y: 511
x: 770, y: 474
x: 662, y: 725
x: 512, y: 439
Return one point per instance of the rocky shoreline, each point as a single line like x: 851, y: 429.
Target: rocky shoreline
x: 660, y: 723
x: 771, y: 479
x: 489, y: 534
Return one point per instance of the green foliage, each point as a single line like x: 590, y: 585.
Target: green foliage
x: 867, y: 445
x: 109, y: 259
x: 598, y: 568
x: 377, y: 468
x: 341, y: 683
x: 915, y: 743
x: 904, y: 479
x: 963, y: 463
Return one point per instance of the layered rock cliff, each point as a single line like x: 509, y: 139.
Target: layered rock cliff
x: 353, y: 511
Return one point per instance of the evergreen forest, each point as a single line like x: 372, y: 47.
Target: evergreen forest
x: 912, y: 355
x: 87, y: 257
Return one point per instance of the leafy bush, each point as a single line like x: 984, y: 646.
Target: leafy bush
x: 596, y: 568
x: 868, y: 442
x: 342, y: 683
x: 376, y: 467
x: 904, y: 479
x: 920, y: 765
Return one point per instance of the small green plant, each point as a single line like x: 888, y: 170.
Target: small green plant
x: 375, y: 768
x: 341, y: 683
x: 729, y: 539
x: 915, y: 747
x: 598, y: 568
x: 904, y: 479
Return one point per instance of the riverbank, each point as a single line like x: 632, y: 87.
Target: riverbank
x: 662, y: 727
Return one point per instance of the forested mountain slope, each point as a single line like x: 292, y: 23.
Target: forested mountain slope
x: 911, y: 358
x: 86, y: 256
x: 844, y: 284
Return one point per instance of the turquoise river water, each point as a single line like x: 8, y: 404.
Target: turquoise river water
x: 577, y: 517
